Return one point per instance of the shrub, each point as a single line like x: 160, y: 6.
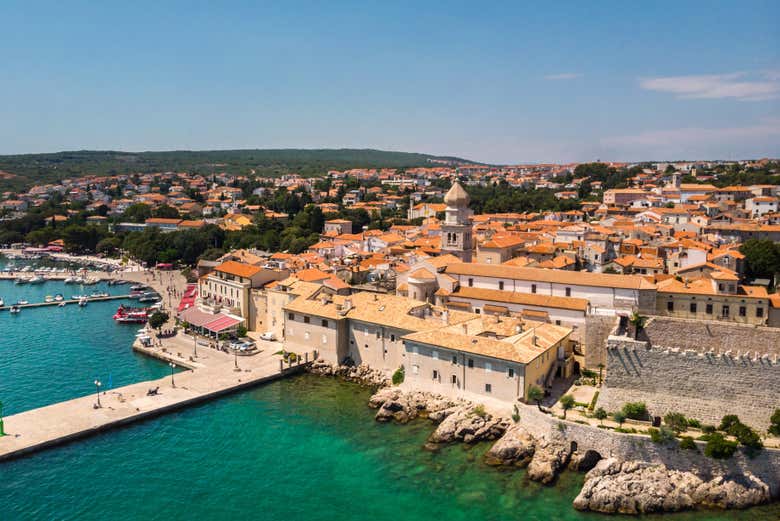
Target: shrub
x: 709, y: 429
x: 593, y: 401
x: 728, y: 421
x: 241, y: 331
x: 664, y: 435
x: 587, y: 373
x: 479, y: 410
x: 676, y: 421
x: 687, y: 443
x: 774, y: 423
x: 515, y: 414
x: 619, y: 416
x: 696, y: 424
x: 747, y: 437
x: 719, y: 447
x: 398, y: 376
x: 635, y: 410
x: 600, y: 414
x: 629, y: 430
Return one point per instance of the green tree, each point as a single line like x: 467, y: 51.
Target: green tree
x: 535, y: 394
x: 762, y: 258
x: 774, y: 423
x: 158, y: 320
x: 137, y: 213
x: 600, y: 415
x: 166, y: 212
x: 719, y: 447
x: 619, y: 417
x: 638, y: 321
x: 635, y: 410
x: 567, y: 402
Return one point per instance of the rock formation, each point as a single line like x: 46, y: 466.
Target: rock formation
x: 468, y: 424
x: 362, y: 374
x: 515, y: 448
x: 635, y: 487
x: 550, y: 457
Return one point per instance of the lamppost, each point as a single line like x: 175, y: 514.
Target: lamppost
x: 173, y: 384
x: 2, y: 432
x: 195, y: 345
x: 235, y: 355
x: 97, y: 392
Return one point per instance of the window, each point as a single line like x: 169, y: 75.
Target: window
x: 435, y: 374
x: 692, y: 307
x: 742, y: 311
x: 568, y: 292
x: 500, y: 284
x: 365, y: 331
x: 471, y: 362
x: 290, y: 316
x: 510, y: 372
x: 324, y: 339
x: 759, y: 312
x: 378, y: 334
x: 557, y: 322
x: 670, y: 306
x: 708, y: 309
x: 392, y: 338
x: 415, y: 369
x: 454, y: 359
x: 435, y: 355
x: 415, y: 350
x: 533, y: 288
x: 471, y: 282
x: 725, y: 311
x: 720, y: 287
x: 306, y: 320
x: 488, y: 367
x: 324, y: 323
x: 488, y: 388
x: 454, y: 379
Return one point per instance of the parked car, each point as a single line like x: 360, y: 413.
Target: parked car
x: 268, y: 335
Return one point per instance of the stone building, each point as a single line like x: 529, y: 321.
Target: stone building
x: 456, y: 230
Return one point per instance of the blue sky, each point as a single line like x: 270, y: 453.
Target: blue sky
x: 490, y: 81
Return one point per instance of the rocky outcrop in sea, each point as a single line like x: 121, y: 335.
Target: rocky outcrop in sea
x: 636, y: 487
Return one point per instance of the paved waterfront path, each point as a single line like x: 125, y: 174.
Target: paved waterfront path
x: 214, y: 375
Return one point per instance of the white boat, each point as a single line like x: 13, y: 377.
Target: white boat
x: 21, y: 280
x: 61, y: 305
x: 58, y: 297
x: 48, y: 298
x: 21, y: 302
x: 2, y: 302
x: 37, y: 280
x: 98, y: 294
x: 82, y: 302
x: 70, y: 280
x: 15, y: 309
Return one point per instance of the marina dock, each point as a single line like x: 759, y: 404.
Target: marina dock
x: 66, y: 301
x: 215, y: 375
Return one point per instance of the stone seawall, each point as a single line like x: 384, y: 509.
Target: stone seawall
x: 628, y: 447
x: 701, y: 385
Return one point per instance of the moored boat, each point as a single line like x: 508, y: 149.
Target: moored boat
x: 82, y: 302
x: 48, y: 298
x: 58, y: 297
x: 15, y: 309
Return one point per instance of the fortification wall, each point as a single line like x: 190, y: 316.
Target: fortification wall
x: 711, y: 336
x: 701, y: 384
x: 597, y: 329
x: 765, y: 466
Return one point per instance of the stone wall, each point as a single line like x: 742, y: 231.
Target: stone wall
x: 765, y: 466
x: 597, y: 329
x: 710, y: 335
x: 700, y: 384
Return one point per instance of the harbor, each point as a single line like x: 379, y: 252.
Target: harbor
x: 213, y: 374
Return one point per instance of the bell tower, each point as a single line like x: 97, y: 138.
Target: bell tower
x: 456, y: 230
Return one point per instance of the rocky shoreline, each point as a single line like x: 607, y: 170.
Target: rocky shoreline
x: 611, y: 486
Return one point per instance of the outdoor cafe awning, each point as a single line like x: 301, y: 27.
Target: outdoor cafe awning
x: 214, y: 322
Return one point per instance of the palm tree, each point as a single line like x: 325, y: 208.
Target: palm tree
x: 535, y: 395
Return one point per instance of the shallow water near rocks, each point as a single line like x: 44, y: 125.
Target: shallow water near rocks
x: 302, y: 448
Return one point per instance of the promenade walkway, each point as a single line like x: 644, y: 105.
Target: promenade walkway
x: 214, y: 375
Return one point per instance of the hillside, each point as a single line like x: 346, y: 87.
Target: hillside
x: 20, y: 171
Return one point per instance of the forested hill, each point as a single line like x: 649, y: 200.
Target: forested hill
x: 19, y: 171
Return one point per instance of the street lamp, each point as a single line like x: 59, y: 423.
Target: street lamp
x: 195, y: 346
x: 235, y: 355
x: 173, y: 384
x: 97, y: 392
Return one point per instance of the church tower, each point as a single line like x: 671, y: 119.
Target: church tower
x: 456, y: 230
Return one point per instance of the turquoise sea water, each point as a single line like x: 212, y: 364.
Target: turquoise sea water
x: 299, y: 449
x: 51, y: 354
